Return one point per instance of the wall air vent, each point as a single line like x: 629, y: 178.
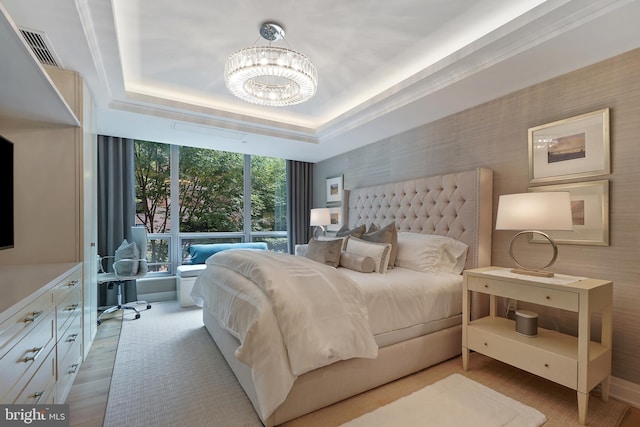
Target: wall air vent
x: 40, y: 46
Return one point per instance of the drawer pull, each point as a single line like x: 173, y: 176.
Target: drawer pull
x: 33, y: 316
x: 38, y: 395
x: 548, y: 297
x: 546, y: 365
x: 72, y: 283
x: 73, y: 369
x: 486, y: 345
x: 36, y: 352
x: 486, y: 286
x: 72, y: 337
x: 72, y: 307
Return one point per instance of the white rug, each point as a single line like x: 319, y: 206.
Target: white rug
x: 455, y: 401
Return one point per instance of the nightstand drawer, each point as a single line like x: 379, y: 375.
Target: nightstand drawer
x: 536, y: 294
x: 552, y: 366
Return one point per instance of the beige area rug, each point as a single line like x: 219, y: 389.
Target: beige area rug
x: 169, y: 372
x: 453, y: 402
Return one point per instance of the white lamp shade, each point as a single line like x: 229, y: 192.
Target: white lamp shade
x: 535, y: 211
x: 320, y: 216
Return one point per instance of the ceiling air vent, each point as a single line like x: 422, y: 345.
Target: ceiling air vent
x: 39, y: 44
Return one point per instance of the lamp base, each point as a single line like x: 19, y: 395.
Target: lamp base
x: 537, y: 273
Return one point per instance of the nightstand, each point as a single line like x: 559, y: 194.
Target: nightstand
x: 575, y: 362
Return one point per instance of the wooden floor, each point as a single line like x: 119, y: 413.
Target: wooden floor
x: 88, y: 396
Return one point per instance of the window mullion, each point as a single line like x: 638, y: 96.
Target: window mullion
x: 247, y: 198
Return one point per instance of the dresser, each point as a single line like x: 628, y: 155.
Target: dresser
x: 577, y: 362
x: 40, y: 331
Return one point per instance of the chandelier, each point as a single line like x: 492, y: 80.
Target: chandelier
x: 270, y: 75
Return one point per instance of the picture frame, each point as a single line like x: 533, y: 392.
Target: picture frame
x: 334, y: 189
x: 577, y: 147
x: 335, y: 213
x: 590, y: 211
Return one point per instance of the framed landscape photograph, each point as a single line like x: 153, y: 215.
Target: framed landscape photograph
x: 334, y: 189
x: 335, y: 214
x: 576, y: 147
x: 590, y: 212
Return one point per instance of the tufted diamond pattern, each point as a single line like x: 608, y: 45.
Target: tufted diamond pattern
x: 448, y: 205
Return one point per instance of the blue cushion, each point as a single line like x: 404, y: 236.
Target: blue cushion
x: 200, y: 253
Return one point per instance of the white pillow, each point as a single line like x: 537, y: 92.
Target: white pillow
x: 431, y: 253
x: 380, y: 252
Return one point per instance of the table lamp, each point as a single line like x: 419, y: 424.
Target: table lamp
x: 319, y: 218
x: 531, y: 212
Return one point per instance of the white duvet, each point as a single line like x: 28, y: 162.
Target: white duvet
x: 290, y: 314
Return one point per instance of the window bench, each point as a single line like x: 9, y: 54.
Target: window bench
x: 187, y: 274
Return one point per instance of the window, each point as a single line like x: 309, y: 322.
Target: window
x: 214, y: 190
x: 210, y: 190
x: 269, y: 201
x: 153, y: 202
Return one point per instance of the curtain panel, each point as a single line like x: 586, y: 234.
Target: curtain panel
x: 116, y: 206
x: 299, y: 190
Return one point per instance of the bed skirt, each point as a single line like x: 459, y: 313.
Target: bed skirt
x: 330, y: 384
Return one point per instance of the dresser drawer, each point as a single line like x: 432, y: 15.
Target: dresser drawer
x: 68, y: 367
x: 17, y: 326
x: 24, y: 358
x: 41, y: 388
x: 71, y: 336
x: 536, y: 294
x: 69, y: 308
x: 552, y: 366
x: 70, y: 283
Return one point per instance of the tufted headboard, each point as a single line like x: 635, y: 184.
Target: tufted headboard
x: 458, y: 205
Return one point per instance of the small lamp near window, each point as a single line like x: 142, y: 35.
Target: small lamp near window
x: 319, y: 218
x: 531, y: 212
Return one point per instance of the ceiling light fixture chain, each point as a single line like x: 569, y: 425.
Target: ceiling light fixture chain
x: 270, y: 75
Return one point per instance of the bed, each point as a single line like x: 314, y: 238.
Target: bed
x: 384, y: 340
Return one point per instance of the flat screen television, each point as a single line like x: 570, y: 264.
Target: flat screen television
x: 6, y: 193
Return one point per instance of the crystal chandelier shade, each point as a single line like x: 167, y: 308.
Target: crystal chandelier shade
x: 269, y: 75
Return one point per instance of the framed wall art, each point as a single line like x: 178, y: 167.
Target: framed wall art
x: 335, y: 214
x: 576, y: 147
x: 334, y: 189
x: 590, y: 212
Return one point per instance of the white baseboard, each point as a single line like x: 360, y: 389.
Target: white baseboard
x: 625, y: 391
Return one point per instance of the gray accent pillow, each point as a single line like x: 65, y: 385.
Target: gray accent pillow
x: 126, y: 251
x: 355, y: 262
x: 386, y: 234
x: 355, y: 232
x: 325, y: 251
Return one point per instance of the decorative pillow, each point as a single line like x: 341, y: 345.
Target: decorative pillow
x: 200, y: 252
x: 355, y: 262
x: 126, y: 251
x: 343, y: 239
x: 430, y: 253
x: 355, y: 232
x: 378, y: 251
x: 325, y: 251
x: 387, y: 234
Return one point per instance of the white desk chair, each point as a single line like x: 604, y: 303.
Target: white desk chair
x: 129, y: 263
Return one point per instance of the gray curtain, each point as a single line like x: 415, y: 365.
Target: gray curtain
x: 116, y: 206
x: 299, y: 190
